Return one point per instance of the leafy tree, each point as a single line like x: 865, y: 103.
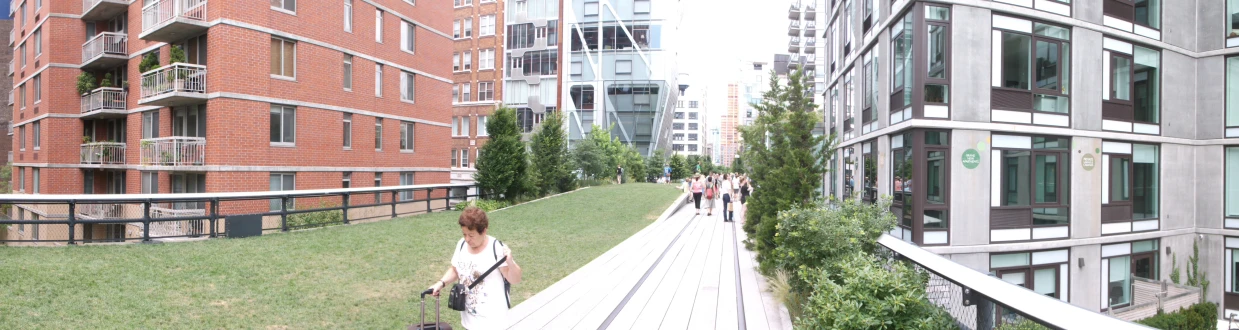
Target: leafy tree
x: 864, y: 292
x: 550, y: 168
x: 782, y: 154
x: 679, y: 167
x: 502, y: 164
x: 588, y: 156
x: 737, y: 166
x: 817, y: 235
x: 634, y: 165
x: 654, y: 165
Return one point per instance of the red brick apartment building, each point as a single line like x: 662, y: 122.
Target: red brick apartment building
x: 477, y: 71
x: 269, y: 95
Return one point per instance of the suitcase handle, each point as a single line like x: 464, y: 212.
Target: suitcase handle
x: 424, y: 293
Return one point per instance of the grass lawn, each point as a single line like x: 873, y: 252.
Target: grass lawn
x: 364, y: 276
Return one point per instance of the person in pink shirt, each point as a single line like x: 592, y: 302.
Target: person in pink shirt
x: 698, y: 187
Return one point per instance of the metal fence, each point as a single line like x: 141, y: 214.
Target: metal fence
x: 108, y: 218
x: 978, y: 301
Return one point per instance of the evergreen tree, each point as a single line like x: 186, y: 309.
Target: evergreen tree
x: 503, y: 164
x: 783, y: 158
x: 737, y: 166
x: 654, y: 165
x: 550, y: 171
x: 679, y: 167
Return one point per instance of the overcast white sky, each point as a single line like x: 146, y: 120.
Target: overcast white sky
x: 718, y: 34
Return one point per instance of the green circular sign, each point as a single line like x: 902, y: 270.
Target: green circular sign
x: 1088, y: 162
x: 971, y: 158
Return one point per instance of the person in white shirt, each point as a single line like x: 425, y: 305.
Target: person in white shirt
x: 487, y: 304
x: 726, y: 188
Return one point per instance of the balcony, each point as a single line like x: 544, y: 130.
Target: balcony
x: 173, y: 85
x: 104, y: 51
x: 810, y: 11
x: 103, y: 153
x: 174, y: 151
x: 172, y: 20
x: 98, y: 10
x: 102, y: 211
x: 794, y: 11
x: 104, y: 102
x: 810, y: 45
x: 793, y: 29
x: 810, y: 29
x: 810, y: 64
x: 793, y: 46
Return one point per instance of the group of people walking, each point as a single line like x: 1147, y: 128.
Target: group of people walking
x: 731, y: 188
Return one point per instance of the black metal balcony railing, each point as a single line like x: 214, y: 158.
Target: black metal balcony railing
x: 73, y: 219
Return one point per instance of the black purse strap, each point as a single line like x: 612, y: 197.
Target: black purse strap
x: 492, y: 268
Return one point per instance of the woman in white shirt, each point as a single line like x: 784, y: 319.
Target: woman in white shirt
x: 487, y: 304
x: 726, y: 188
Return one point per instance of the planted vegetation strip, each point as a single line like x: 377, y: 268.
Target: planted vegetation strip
x: 361, y: 276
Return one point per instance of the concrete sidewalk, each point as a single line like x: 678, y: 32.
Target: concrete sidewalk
x: 684, y: 271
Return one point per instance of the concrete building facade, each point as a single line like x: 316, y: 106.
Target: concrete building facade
x: 688, y: 126
x: 173, y: 98
x: 1065, y: 146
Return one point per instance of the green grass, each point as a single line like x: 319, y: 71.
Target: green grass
x: 364, y: 276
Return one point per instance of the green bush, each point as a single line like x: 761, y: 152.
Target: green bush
x: 1196, y: 317
x: 317, y: 219
x: 502, y: 166
x: 484, y: 204
x: 1022, y: 324
x: 815, y: 237
x: 864, y: 292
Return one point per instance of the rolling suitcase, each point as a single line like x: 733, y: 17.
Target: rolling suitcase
x: 430, y: 326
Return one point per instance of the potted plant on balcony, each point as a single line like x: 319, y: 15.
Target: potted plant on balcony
x: 178, y: 56
x: 115, y: 98
x: 166, y: 157
x: 150, y: 61
x: 85, y: 83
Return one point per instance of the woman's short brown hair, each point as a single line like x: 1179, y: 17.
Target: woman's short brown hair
x: 474, y: 219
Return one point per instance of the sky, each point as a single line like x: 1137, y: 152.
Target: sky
x: 716, y: 35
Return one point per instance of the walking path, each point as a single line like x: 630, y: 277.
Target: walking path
x: 684, y: 271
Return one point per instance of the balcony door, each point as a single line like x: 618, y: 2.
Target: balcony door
x: 189, y: 121
x: 116, y: 182
x: 188, y: 183
x: 196, y: 50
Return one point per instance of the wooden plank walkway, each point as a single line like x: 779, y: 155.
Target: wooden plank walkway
x: 684, y: 271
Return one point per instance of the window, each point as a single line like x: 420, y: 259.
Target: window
x: 486, y: 25
x: 486, y: 91
x: 486, y: 59
x: 283, y: 125
x: 456, y: 93
x: 1119, y: 263
x: 1232, y: 23
x: 1043, y: 272
x: 919, y: 160
x: 378, y: 182
x: 677, y: 126
x: 348, y: 16
x: 454, y: 155
x: 641, y: 6
x: 692, y: 137
x: 679, y: 114
x: 407, y: 86
x: 455, y: 126
x: 482, y: 126
x: 1129, y: 191
x: 378, y: 134
x: 869, y: 74
x: 1144, y: 13
x: 455, y: 62
x: 464, y: 92
x: 21, y: 132
x: 870, y: 16
x: 378, y: 26
x: 35, y: 136
x: 468, y: 27
x: 348, y: 131
x: 150, y: 124
x: 21, y: 92
x: 467, y: 61
x: 1231, y: 178
x: 150, y: 182
x: 465, y: 122
x: 1033, y: 72
x: 677, y: 137
x: 378, y: 80
x: 21, y: 178
x: 1232, y: 96
x: 408, y: 36
x: 845, y: 29
x: 901, y: 80
x: 1132, y: 85
x: 464, y: 157
x: 462, y: 3
x: 38, y: 88
x: 283, y: 58
x: 348, y: 72
x: 406, y: 136
x: 692, y: 126
x: 347, y: 180
x: 937, y: 80
x: 38, y: 42
x: 288, y: 5
x: 282, y: 182
x: 406, y: 179
x: 582, y: 97
x: 23, y: 51
x: 1030, y: 183
x: 692, y: 115
x: 456, y: 29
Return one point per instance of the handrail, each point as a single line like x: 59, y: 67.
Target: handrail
x: 104, y: 98
x: 173, y: 78
x: 1037, y: 307
x: 104, y: 43
x: 170, y: 197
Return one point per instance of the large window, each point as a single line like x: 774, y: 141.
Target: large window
x: 1132, y: 77
x: 486, y: 26
x: 408, y: 36
x: 150, y: 182
x: 1232, y: 187
x: 283, y: 58
x: 282, y: 182
x: 482, y: 126
x: 919, y: 185
x: 1144, y: 13
x: 869, y: 158
x: 1044, y: 272
x: 406, y: 137
x: 1119, y: 263
x: 1232, y: 96
x: 486, y: 59
x: 1030, y: 187
x: 406, y: 179
x: 407, y: 90
x: 283, y: 125
x: 938, y: 74
x: 901, y: 75
x: 1031, y: 72
x: 150, y: 125
x: 1129, y: 191
x: 486, y: 91
x: 869, y: 74
x: 348, y: 16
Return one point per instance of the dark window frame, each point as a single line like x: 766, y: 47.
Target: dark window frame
x: 1001, y: 96
x: 1130, y: 203
x: 911, y: 216
x: 1119, y: 9
x: 1125, y: 110
x: 1063, y: 186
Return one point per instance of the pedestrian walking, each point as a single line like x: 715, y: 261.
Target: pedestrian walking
x: 711, y: 192
x: 485, y: 267
x: 619, y: 174
x: 726, y: 188
x: 698, y: 188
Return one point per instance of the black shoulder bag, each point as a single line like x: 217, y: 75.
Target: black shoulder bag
x: 460, y: 293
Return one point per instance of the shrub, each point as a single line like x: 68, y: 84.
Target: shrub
x: 1196, y: 317
x: 503, y: 163
x: 550, y: 168
x: 484, y: 204
x: 816, y: 236
x: 85, y: 83
x: 317, y: 219
x: 864, y: 293
x: 149, y: 62
x: 1022, y: 324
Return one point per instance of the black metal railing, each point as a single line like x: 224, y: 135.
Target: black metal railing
x: 107, y: 218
